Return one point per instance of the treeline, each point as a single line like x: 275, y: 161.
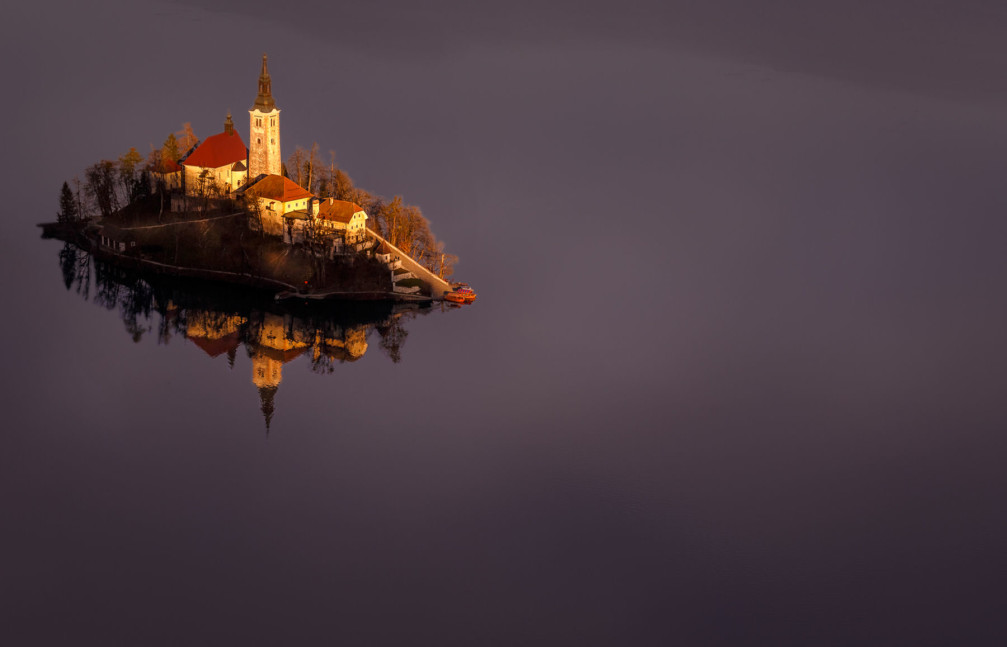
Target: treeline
x: 403, y: 225
x: 110, y: 185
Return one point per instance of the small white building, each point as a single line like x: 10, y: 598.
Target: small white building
x: 388, y: 255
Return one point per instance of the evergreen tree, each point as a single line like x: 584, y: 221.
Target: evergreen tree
x: 67, y: 205
x: 141, y: 187
x: 169, y: 150
x: 128, y: 164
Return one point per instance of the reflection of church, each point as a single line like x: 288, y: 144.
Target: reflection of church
x: 272, y: 340
x: 220, y: 320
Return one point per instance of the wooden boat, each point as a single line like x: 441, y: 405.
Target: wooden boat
x: 454, y: 297
x: 466, y: 293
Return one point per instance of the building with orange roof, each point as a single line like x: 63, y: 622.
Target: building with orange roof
x: 279, y: 200
x: 342, y: 216
x: 280, y: 193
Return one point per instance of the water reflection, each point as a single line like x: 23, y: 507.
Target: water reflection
x: 220, y: 319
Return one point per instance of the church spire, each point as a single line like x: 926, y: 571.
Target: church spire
x: 266, y: 394
x: 264, y: 101
x: 229, y: 124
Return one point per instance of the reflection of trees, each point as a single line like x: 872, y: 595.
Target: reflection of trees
x: 322, y: 364
x: 76, y: 267
x: 68, y: 264
x: 393, y: 336
x: 219, y: 319
x: 115, y: 287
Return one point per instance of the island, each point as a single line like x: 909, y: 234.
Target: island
x: 220, y: 210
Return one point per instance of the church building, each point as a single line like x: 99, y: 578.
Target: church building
x: 222, y: 163
x: 218, y: 164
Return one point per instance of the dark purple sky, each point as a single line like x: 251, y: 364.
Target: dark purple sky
x: 735, y: 375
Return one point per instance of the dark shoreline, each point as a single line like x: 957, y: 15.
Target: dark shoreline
x: 74, y: 234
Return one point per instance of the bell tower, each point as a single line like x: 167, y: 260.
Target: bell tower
x: 264, y: 130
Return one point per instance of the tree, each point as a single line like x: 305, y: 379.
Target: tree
x: 443, y: 264
x: 316, y: 242
x: 385, y: 216
x: 295, y: 163
x: 141, y: 186
x: 389, y: 218
x: 155, y: 166
x: 254, y: 211
x: 311, y: 167
x: 169, y: 150
x: 413, y: 231
x: 67, y: 205
x: 100, y: 179
x: 128, y: 165
x: 205, y: 190
x: 186, y: 139
x: 83, y: 211
x: 342, y: 185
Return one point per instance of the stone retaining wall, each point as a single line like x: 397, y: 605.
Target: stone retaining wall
x: 438, y: 286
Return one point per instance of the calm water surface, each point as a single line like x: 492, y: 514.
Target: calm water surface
x: 735, y: 376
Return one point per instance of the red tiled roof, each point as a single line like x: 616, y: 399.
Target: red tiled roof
x: 218, y: 150
x: 277, y: 187
x: 338, y: 210
x: 215, y: 347
x: 282, y: 355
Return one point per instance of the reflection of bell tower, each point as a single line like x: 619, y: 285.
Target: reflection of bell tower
x: 267, y: 373
x: 266, y: 397
x: 264, y: 130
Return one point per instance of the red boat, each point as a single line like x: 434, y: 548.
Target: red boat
x: 461, y: 293
x: 465, y: 292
